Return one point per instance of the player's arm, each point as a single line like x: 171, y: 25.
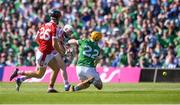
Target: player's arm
x: 73, y: 41
x: 55, y: 43
x: 36, y: 38
x: 37, y: 41
x: 97, y: 60
x: 57, y: 46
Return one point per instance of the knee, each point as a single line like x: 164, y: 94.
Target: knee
x: 91, y: 80
x: 98, y: 85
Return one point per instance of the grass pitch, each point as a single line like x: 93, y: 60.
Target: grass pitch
x: 141, y: 93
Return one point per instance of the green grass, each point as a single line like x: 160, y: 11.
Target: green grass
x: 141, y: 93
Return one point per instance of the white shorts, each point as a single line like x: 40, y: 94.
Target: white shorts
x: 84, y: 73
x: 42, y: 60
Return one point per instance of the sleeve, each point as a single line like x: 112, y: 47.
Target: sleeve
x: 59, y: 34
x: 53, y: 31
x: 80, y: 42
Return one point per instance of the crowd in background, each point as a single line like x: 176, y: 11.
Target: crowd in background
x: 143, y: 33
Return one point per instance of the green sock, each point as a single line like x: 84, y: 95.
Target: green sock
x: 76, y: 88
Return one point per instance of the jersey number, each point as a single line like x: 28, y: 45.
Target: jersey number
x: 44, y: 34
x: 89, y: 52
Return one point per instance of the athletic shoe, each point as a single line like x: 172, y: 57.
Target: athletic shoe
x: 18, y: 84
x: 52, y: 90
x: 14, y: 74
x: 66, y: 88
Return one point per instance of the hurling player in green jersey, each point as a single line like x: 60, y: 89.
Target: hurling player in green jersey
x: 88, y: 57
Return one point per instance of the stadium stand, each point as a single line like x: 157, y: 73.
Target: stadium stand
x: 143, y: 33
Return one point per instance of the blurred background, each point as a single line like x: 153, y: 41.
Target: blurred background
x: 137, y: 33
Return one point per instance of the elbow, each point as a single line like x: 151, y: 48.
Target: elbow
x: 58, y: 49
x: 54, y: 46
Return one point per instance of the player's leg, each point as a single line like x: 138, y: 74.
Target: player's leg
x: 92, y: 75
x: 38, y: 73
x: 64, y: 75
x: 41, y: 62
x: 27, y: 74
x: 98, y: 84
x: 53, y: 64
x: 84, y: 84
x: 97, y: 80
x: 86, y: 81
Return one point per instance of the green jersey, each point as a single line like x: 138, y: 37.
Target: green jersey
x: 88, y: 52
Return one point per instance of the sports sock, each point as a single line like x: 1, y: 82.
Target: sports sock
x: 76, y: 88
x: 22, y: 79
x: 51, y: 86
x: 66, y: 82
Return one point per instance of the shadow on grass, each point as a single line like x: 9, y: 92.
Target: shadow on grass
x: 131, y: 92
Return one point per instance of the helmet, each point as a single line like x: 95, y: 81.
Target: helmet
x: 68, y: 28
x: 96, y: 36
x: 55, y: 13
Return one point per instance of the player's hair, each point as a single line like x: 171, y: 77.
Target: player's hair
x: 96, y: 36
x: 54, y: 13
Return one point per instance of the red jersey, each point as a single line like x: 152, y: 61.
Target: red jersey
x: 44, y: 37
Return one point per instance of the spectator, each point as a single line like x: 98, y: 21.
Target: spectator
x: 170, y: 60
x: 3, y: 60
x: 30, y: 61
x: 20, y: 61
x: 10, y: 61
x: 155, y: 61
x: 177, y: 44
x: 151, y: 27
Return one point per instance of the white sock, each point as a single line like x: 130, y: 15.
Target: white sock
x: 22, y: 79
x: 66, y: 82
x: 50, y: 88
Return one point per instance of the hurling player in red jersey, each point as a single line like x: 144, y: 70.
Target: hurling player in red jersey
x: 48, y: 41
x: 57, y: 62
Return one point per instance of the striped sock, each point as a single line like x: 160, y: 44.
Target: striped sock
x: 76, y: 88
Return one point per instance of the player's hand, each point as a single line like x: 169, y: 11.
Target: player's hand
x: 69, y: 51
x: 67, y: 46
x: 96, y: 61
